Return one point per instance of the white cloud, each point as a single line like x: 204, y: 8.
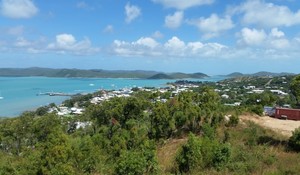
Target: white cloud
x: 175, y: 20
x: 131, y: 12
x: 276, y: 33
x: 66, y: 43
x: 147, y: 41
x: 108, y: 29
x: 213, y: 25
x: 274, y: 40
x: 252, y: 36
x: 281, y: 43
x: 157, y: 35
x: 174, y: 47
x: 183, y: 4
x: 174, y: 44
x: 18, y: 8
x: 263, y: 14
x: 270, y: 48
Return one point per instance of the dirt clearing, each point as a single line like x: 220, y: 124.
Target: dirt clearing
x: 284, y: 127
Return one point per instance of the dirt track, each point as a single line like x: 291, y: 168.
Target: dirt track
x: 284, y: 127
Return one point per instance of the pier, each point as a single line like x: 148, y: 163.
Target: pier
x: 54, y: 94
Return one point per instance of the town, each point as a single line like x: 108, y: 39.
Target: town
x: 264, y: 94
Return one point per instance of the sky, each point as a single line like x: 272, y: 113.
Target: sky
x: 209, y: 36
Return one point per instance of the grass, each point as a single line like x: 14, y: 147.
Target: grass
x: 255, y: 150
x: 167, y: 152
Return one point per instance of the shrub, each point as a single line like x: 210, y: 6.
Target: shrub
x: 257, y: 109
x: 190, y: 154
x: 132, y: 163
x: 200, y: 153
x: 208, y: 131
x: 294, y: 141
x: 233, y: 121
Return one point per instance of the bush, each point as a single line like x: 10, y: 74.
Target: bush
x: 132, y: 163
x: 200, y: 153
x: 190, y: 154
x: 257, y: 109
x: 233, y: 121
x: 294, y: 141
x: 208, y: 131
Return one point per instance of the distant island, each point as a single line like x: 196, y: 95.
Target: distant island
x: 95, y: 73
x: 100, y: 73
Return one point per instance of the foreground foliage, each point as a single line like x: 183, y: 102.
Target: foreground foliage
x: 124, y: 135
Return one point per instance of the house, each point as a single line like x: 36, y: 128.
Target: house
x: 225, y: 96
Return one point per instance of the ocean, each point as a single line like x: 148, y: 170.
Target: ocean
x: 19, y: 94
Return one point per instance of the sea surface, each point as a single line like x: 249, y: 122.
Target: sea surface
x: 19, y: 94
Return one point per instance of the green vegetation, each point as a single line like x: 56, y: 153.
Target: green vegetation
x: 294, y: 141
x: 295, y: 88
x: 178, y: 76
x: 187, y: 133
x: 94, y: 73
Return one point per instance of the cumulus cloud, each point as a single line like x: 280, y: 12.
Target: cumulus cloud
x: 174, y: 47
x: 175, y: 20
x: 182, y: 4
x: 213, y: 25
x: 252, y: 36
x: 274, y: 40
x: 66, y: 43
x: 276, y: 33
x: 263, y: 14
x: 18, y: 8
x: 131, y: 12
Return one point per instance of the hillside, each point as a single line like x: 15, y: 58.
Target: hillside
x: 94, y: 73
x: 259, y: 74
x: 178, y: 75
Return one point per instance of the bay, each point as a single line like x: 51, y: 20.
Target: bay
x: 19, y: 94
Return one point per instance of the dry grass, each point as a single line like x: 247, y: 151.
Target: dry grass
x: 268, y: 155
x: 167, y: 153
x: 283, y: 127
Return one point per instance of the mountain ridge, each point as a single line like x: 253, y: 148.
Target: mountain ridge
x: 94, y: 73
x: 258, y: 74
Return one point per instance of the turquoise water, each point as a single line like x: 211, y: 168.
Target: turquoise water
x: 20, y: 93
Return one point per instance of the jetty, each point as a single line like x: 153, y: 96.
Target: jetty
x: 54, y: 94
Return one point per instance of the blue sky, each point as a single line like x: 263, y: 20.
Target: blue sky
x: 209, y: 36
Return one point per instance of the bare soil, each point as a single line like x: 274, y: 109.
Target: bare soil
x: 284, y: 127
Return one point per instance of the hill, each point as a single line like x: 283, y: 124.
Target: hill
x: 94, y: 73
x: 178, y: 75
x: 235, y: 74
x: 259, y: 74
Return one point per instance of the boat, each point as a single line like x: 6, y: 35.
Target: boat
x: 1, y: 98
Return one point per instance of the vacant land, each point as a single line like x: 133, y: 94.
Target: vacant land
x: 284, y: 127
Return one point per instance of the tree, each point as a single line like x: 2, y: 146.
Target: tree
x: 295, y: 88
x: 162, y: 124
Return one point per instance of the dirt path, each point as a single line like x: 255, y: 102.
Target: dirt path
x: 284, y: 127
